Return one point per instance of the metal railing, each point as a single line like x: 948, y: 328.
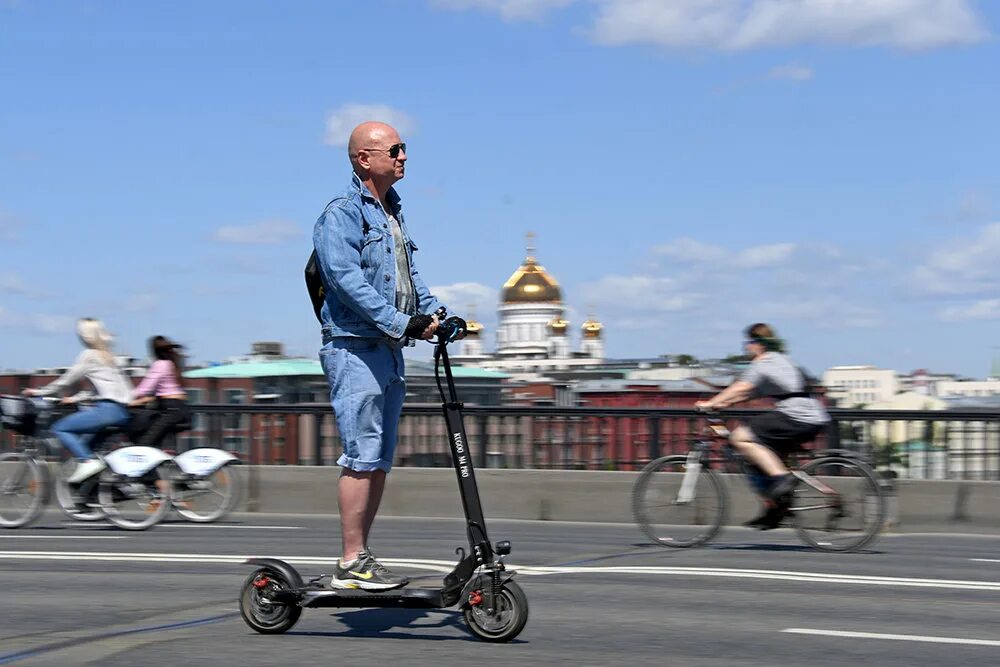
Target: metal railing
x: 921, y: 444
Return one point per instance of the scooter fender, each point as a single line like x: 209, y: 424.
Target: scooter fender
x: 203, y: 461
x: 474, y: 583
x: 290, y: 574
x: 135, y: 461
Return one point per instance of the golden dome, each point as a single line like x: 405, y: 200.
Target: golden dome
x: 473, y: 328
x: 558, y: 326
x: 531, y: 284
x: 592, y: 328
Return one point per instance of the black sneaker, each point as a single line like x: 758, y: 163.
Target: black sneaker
x: 765, y: 519
x: 782, y: 486
x: 365, y: 573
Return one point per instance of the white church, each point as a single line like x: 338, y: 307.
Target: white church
x: 533, y: 336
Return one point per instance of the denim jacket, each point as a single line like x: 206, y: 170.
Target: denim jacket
x: 354, y: 251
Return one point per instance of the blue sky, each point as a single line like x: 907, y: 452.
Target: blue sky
x: 689, y: 167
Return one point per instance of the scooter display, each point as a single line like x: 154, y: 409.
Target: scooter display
x: 494, y: 606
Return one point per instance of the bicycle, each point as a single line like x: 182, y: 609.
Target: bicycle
x: 680, y: 500
x: 133, y: 492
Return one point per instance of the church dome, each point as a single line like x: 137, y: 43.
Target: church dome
x: 558, y: 326
x: 531, y: 284
x: 592, y: 328
x: 473, y: 329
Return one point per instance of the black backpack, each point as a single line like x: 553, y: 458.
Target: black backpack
x: 314, y: 285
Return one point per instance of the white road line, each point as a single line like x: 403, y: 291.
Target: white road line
x: 985, y: 560
x: 65, y: 537
x: 898, y: 638
x: 447, y: 566
x: 203, y: 526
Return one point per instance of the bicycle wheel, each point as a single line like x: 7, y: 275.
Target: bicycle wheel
x: 24, y: 484
x: 846, y: 512
x: 208, y: 498
x: 67, y: 501
x: 135, y: 503
x: 668, y: 519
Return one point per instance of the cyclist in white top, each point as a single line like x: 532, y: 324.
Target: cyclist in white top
x: 81, y: 431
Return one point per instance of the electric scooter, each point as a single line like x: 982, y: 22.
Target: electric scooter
x: 494, y: 606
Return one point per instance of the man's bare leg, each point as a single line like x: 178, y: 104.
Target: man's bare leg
x: 374, y: 500
x: 353, y: 493
x: 743, y: 441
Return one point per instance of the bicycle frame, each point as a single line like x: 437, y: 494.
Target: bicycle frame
x: 719, y: 437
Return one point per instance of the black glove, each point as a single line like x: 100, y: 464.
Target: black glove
x: 457, y: 325
x: 417, y: 325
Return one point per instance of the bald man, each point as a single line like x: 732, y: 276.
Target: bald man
x: 375, y: 303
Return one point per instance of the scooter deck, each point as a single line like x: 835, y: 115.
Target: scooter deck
x: 408, y: 598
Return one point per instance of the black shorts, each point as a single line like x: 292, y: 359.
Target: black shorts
x: 782, y: 433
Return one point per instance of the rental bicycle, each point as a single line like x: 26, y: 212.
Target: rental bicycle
x: 681, y: 501
x: 134, y: 492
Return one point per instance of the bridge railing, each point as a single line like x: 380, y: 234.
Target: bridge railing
x: 914, y: 444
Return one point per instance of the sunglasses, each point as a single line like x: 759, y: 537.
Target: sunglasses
x: 393, y: 150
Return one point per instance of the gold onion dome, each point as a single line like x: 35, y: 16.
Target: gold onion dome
x: 473, y: 328
x: 592, y: 328
x: 531, y: 284
x: 559, y: 326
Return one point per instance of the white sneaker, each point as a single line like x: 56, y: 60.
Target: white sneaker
x: 85, y: 470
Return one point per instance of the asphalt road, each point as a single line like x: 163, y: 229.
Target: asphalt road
x: 75, y: 594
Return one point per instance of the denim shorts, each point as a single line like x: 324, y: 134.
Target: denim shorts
x: 367, y: 388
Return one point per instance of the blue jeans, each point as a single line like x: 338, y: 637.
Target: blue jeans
x: 77, y: 431
x: 366, y: 390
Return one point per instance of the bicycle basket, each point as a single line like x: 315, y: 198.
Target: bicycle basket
x: 18, y: 415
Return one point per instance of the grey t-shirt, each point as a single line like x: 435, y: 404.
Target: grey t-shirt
x: 405, y: 300
x: 774, y: 374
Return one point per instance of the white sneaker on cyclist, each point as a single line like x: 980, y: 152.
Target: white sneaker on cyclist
x: 85, y: 470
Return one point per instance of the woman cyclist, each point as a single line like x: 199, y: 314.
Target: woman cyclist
x: 162, y: 384
x: 796, y: 419
x: 81, y: 431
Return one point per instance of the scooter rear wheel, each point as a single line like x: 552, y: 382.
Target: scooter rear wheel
x: 258, y: 611
x: 506, y: 621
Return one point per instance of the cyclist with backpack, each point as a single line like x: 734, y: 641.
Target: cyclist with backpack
x: 796, y: 419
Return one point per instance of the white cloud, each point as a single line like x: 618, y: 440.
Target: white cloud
x: 690, y: 250
x: 755, y: 257
x: 462, y: 298
x: 791, y: 73
x: 341, y: 121
x: 765, y: 256
x: 509, y: 10
x: 37, y: 324
x: 749, y: 24
x: 11, y: 283
x: 643, y: 293
x: 986, y: 309
x: 823, y: 312
x: 10, y: 228
x: 966, y: 266
x: 267, y: 232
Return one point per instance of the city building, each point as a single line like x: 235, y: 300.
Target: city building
x: 855, y: 386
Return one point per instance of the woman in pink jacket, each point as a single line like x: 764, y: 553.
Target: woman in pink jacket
x: 162, y: 385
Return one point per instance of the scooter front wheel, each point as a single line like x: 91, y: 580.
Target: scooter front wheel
x: 257, y: 608
x: 508, y: 617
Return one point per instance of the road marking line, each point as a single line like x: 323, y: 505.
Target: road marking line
x: 105, y: 524
x: 900, y: 638
x: 448, y: 566
x: 66, y: 537
x: 986, y: 560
